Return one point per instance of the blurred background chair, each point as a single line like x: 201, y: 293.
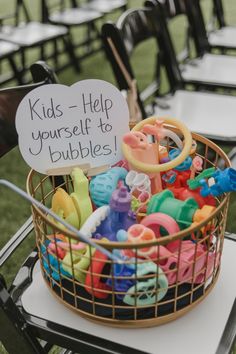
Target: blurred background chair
x: 220, y: 35
x: 7, y: 57
x: 73, y: 16
x: 17, y: 28
x: 209, y: 114
x: 200, y: 67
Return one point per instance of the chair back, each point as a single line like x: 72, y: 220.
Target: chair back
x: 9, y: 102
x: 174, y: 7
x: 167, y: 57
x: 197, y: 26
x: 132, y: 28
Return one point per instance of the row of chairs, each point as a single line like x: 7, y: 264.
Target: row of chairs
x: 37, y: 334
x: 202, y: 108
x: 19, y: 33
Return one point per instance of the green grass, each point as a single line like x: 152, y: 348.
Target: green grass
x: 14, y: 210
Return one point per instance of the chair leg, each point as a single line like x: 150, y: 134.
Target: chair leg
x: 15, y: 334
x: 23, y: 63
x: 17, y: 73
x: 71, y: 51
x: 55, y: 55
x: 42, y: 52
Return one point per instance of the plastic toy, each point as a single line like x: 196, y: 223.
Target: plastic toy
x: 185, y: 165
x: 102, y: 186
x: 184, y: 212
x: 93, y: 281
x: 66, y: 246
x: 76, y: 263
x: 51, y: 265
x: 55, y: 248
x: 120, y: 216
x: 138, y: 181
x: 169, y: 177
x: 194, y: 262
x: 224, y: 181
x: 126, y: 281
x: 156, y: 220
x: 221, y: 182
x: 94, y: 220
x: 143, y: 156
x: 74, y: 208
x: 139, y: 203
x: 209, y: 261
x: 122, y: 273
x: 63, y: 206
x: 145, y: 152
x: 166, y: 257
x: 148, y: 168
x: 151, y: 290
x: 184, y: 193
x: 140, y: 233
x: 176, y: 179
x: 196, y: 166
x: 160, y: 132
x: 80, y: 196
x: 195, y: 183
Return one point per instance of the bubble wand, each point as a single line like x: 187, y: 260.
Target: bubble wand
x: 42, y: 207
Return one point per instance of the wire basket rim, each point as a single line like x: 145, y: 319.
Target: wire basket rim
x: 159, y: 241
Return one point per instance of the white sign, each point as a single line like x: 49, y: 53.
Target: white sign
x: 60, y: 126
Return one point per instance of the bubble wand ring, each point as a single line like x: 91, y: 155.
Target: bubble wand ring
x: 149, y: 168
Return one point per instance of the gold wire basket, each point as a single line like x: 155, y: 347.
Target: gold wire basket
x: 132, y: 292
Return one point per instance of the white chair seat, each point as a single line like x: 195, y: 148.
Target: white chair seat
x: 31, y: 33
x: 224, y: 37
x: 74, y: 16
x: 211, y: 68
x: 38, y: 301
x: 209, y: 114
x: 104, y: 6
x: 7, y: 48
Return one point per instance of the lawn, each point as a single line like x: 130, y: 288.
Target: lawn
x: 14, y: 210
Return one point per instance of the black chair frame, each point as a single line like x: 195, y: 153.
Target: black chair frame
x: 15, y: 73
x: 141, y: 31
x: 21, y: 11
x: 93, y: 33
x: 196, y: 31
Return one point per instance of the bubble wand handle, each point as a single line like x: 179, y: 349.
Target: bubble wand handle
x: 42, y: 207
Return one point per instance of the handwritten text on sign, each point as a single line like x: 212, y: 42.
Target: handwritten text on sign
x: 60, y: 126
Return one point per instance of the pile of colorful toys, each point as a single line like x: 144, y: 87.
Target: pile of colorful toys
x: 160, y: 189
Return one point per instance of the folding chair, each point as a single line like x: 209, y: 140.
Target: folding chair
x: 220, y: 35
x: 32, y: 34
x: 201, y: 111
x: 7, y: 55
x: 32, y: 320
x: 105, y: 6
x: 206, y: 70
x: 74, y: 16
